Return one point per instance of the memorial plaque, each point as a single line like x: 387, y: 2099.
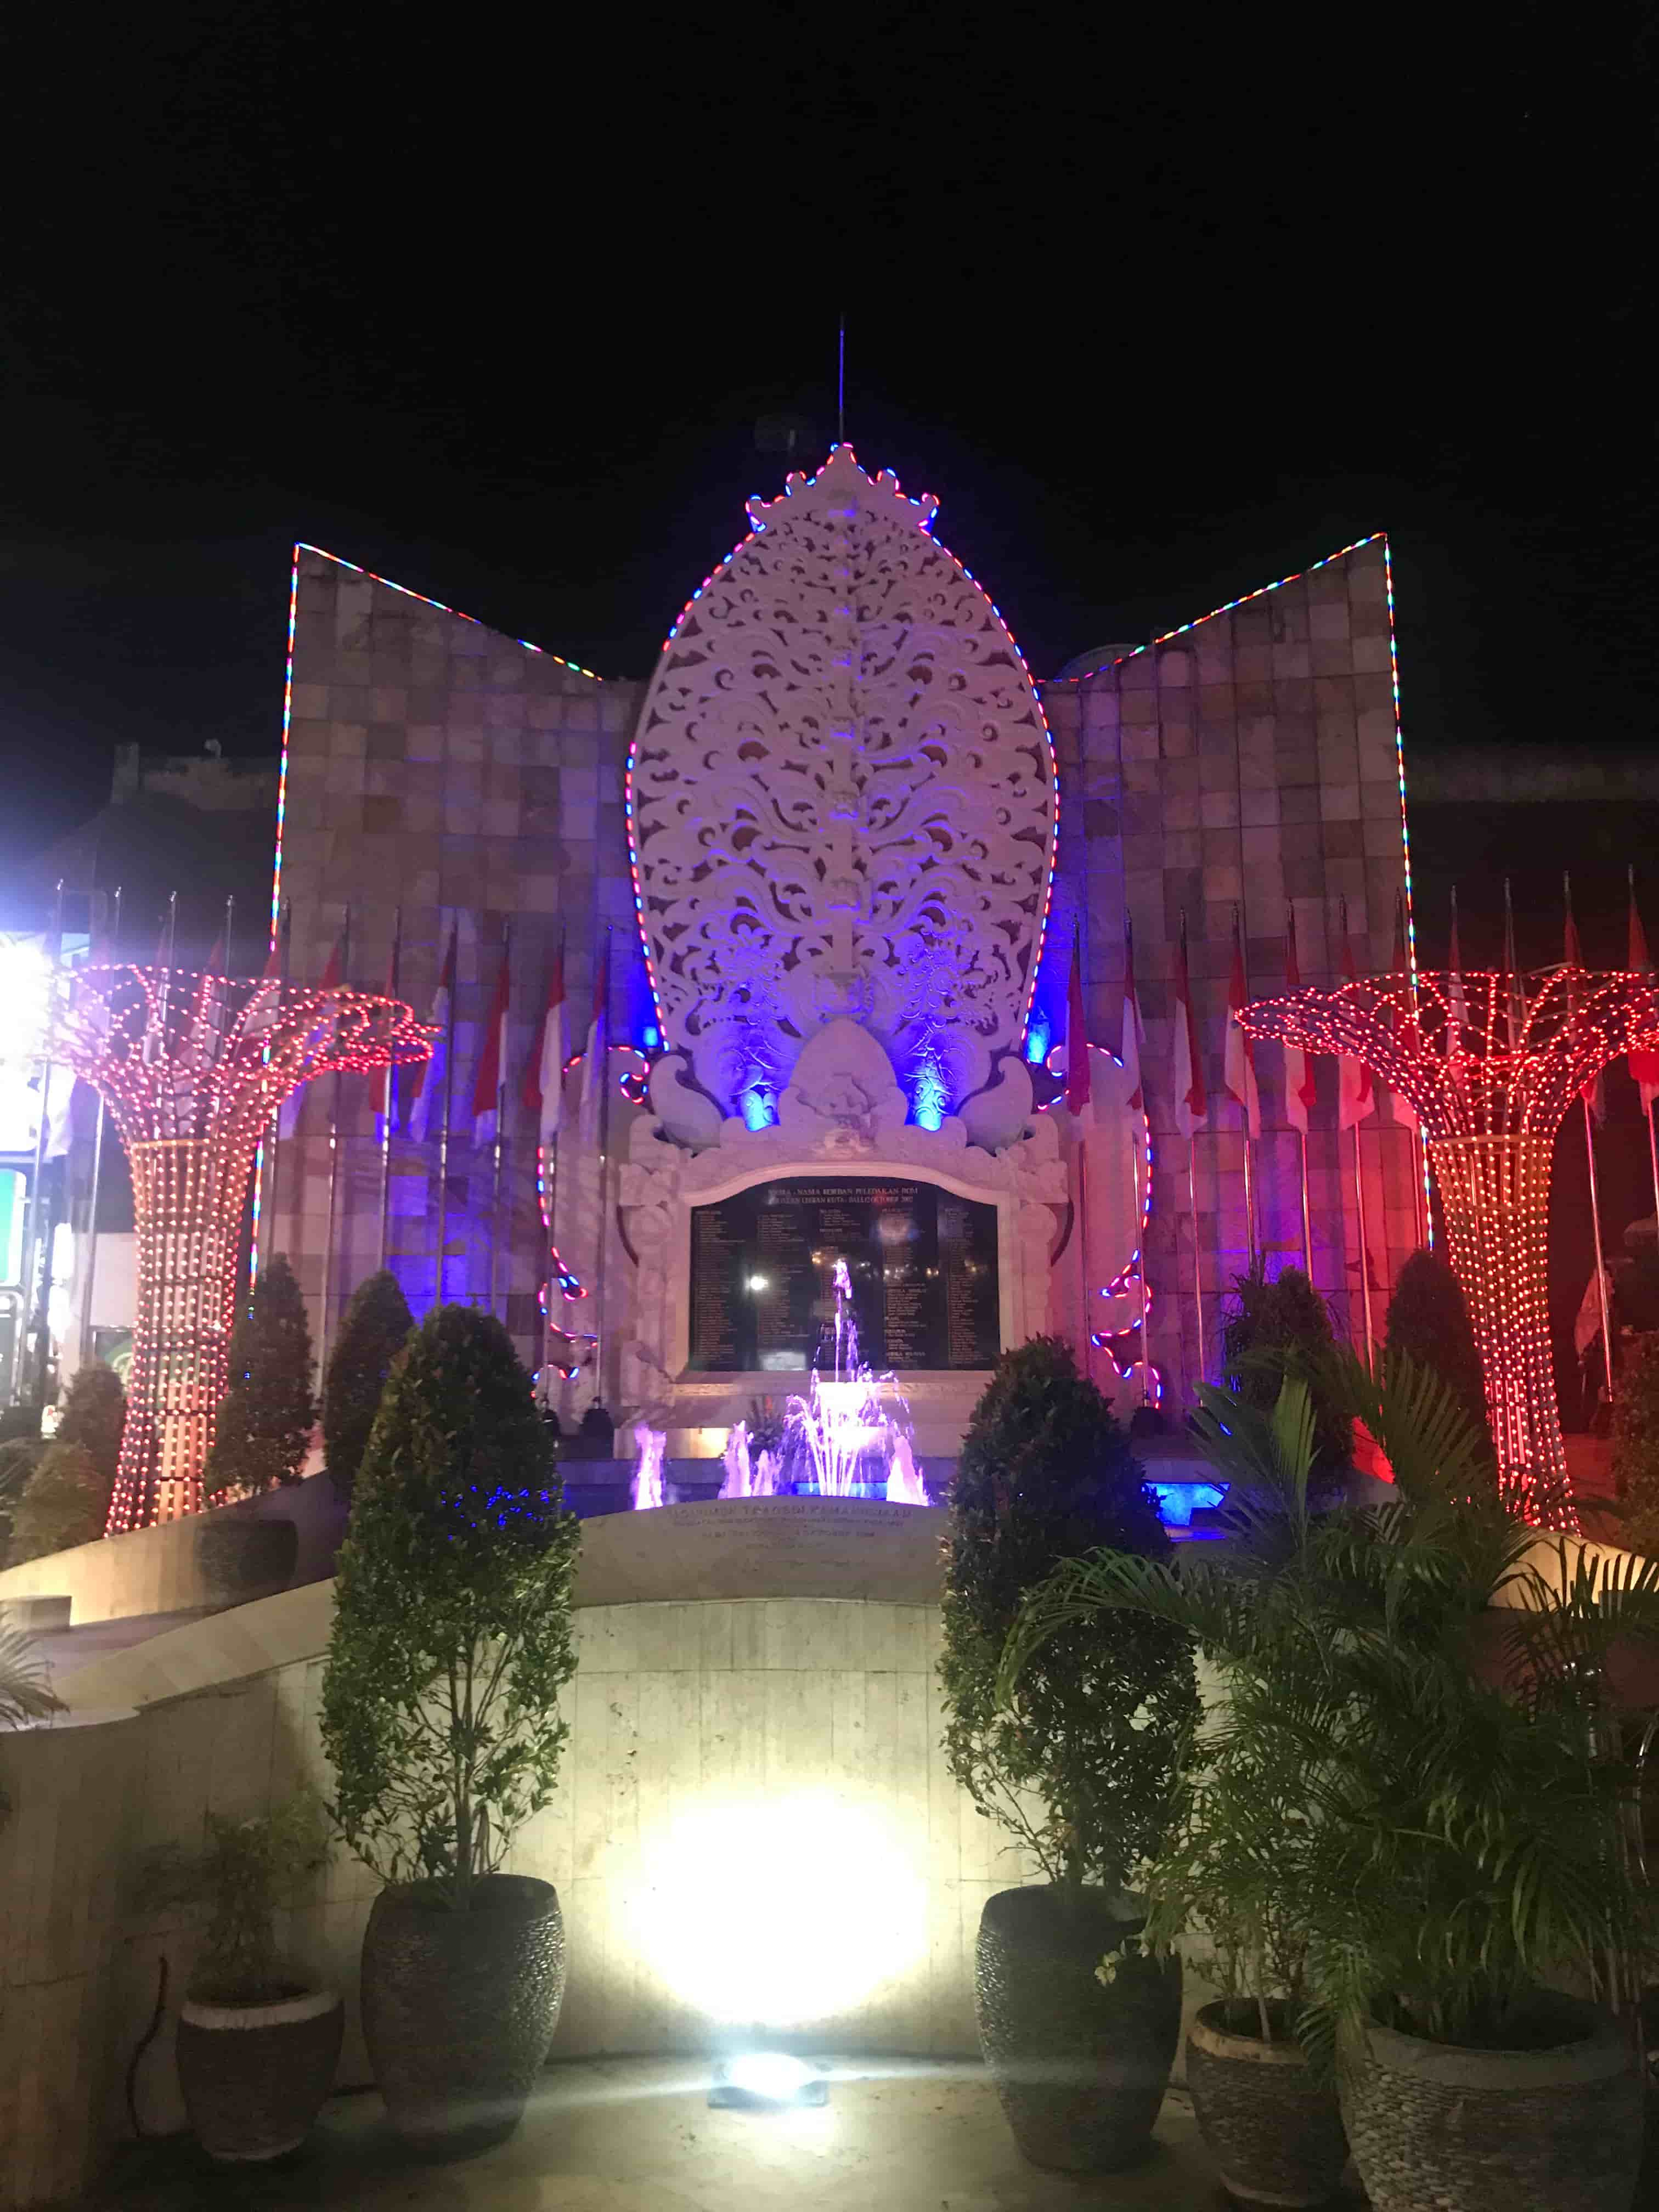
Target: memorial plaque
x: 923, y: 1268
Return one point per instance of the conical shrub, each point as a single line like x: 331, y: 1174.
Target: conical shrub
x: 376, y: 1326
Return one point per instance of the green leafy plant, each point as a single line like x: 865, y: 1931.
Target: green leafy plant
x: 1459, y: 1840
x: 1283, y: 1327
x: 1428, y: 1322
x: 1636, y: 1445
x: 94, y: 1416
x: 246, y: 1871
x: 25, y: 1692
x: 451, y: 1634
x: 19, y: 1457
x: 1080, y: 1758
x: 376, y: 1325
x: 65, y: 1502
x: 266, y: 1416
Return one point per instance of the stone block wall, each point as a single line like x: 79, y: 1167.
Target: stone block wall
x: 438, y: 773
x: 1247, y: 763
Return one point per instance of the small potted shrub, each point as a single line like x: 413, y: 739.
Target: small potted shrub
x: 451, y: 1643
x: 257, y: 2047
x: 1468, y: 1793
x: 1283, y: 1327
x: 1076, y: 1759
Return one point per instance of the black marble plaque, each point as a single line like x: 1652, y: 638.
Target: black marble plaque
x: 923, y: 1267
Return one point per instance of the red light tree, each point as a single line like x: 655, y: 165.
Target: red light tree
x: 192, y: 1067
x: 1489, y: 1062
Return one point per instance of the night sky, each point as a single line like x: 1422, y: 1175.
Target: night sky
x: 1159, y: 315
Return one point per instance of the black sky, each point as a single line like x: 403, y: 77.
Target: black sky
x: 1160, y: 308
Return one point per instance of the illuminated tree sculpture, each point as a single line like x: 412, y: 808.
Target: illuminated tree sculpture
x: 1489, y: 1063
x: 191, y: 1069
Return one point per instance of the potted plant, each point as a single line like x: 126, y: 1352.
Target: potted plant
x: 257, y: 2047
x: 1434, y: 1680
x: 451, y: 1643
x: 1235, y: 1878
x: 1078, y: 1760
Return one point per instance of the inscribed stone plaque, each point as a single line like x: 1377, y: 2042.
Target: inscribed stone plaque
x: 923, y: 1266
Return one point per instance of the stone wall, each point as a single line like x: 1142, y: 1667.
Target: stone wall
x: 436, y: 766
x: 1246, y: 762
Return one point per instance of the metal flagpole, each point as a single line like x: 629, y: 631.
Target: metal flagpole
x: 552, y: 1212
x: 605, y: 1140
x: 1198, y: 1276
x: 333, y: 1168
x: 1365, y: 1251
x: 443, y: 1123
x: 501, y: 1116
x: 97, y: 1173
x: 1307, y: 1218
x: 32, y: 1313
x: 391, y: 1099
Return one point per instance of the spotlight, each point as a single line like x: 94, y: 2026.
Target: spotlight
x: 757, y: 2080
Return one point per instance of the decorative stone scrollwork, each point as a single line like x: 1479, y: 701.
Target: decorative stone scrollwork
x: 843, y: 801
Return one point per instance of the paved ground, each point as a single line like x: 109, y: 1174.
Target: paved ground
x: 637, y: 2135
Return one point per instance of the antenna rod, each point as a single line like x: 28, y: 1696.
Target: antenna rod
x: 841, y: 384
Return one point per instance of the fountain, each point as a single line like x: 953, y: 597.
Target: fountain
x: 841, y: 1436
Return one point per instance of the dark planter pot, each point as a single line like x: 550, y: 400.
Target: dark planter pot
x: 1274, y: 2132
x: 242, y: 1558
x: 1081, y: 2067
x: 1433, y: 2125
x: 253, y: 2077
x: 459, y: 2007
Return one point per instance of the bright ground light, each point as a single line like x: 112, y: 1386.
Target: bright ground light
x: 782, y: 1912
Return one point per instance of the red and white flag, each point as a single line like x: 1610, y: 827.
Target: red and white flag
x: 1133, y: 1035
x: 492, y: 1060
x: 1401, y: 1109
x: 1594, y: 1093
x: 1239, y: 1066
x: 1300, y: 1089
x: 1078, y: 1089
x: 431, y: 1075
x: 544, y: 1074
x: 1356, y: 1094
x: 1643, y: 1066
x: 266, y: 1003
x: 593, y: 1065
x: 1192, y: 1106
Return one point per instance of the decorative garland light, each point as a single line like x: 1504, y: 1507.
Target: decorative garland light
x: 191, y: 1067
x: 1489, y: 1103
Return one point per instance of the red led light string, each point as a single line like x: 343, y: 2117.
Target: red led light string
x: 1489, y: 1115
x: 190, y: 1108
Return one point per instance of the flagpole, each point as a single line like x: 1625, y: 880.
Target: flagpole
x: 605, y: 1139
x: 1596, y: 1230
x: 391, y: 1098
x: 333, y: 1164
x: 501, y: 1115
x: 1249, y: 1178
x: 443, y: 1119
x: 1197, y: 1275
x: 1364, y: 1250
x: 97, y: 1174
x: 551, y: 1216
x: 1082, y: 1166
x: 1307, y: 1218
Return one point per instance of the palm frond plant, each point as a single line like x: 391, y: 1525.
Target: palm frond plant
x: 1463, y: 1790
x: 26, y: 1692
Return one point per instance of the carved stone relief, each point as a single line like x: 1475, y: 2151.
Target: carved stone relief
x: 842, y: 802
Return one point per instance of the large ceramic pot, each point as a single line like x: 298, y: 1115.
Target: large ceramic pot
x: 1274, y: 2131
x: 253, y: 2077
x: 459, y: 2007
x: 1433, y: 2125
x: 1080, y: 2066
